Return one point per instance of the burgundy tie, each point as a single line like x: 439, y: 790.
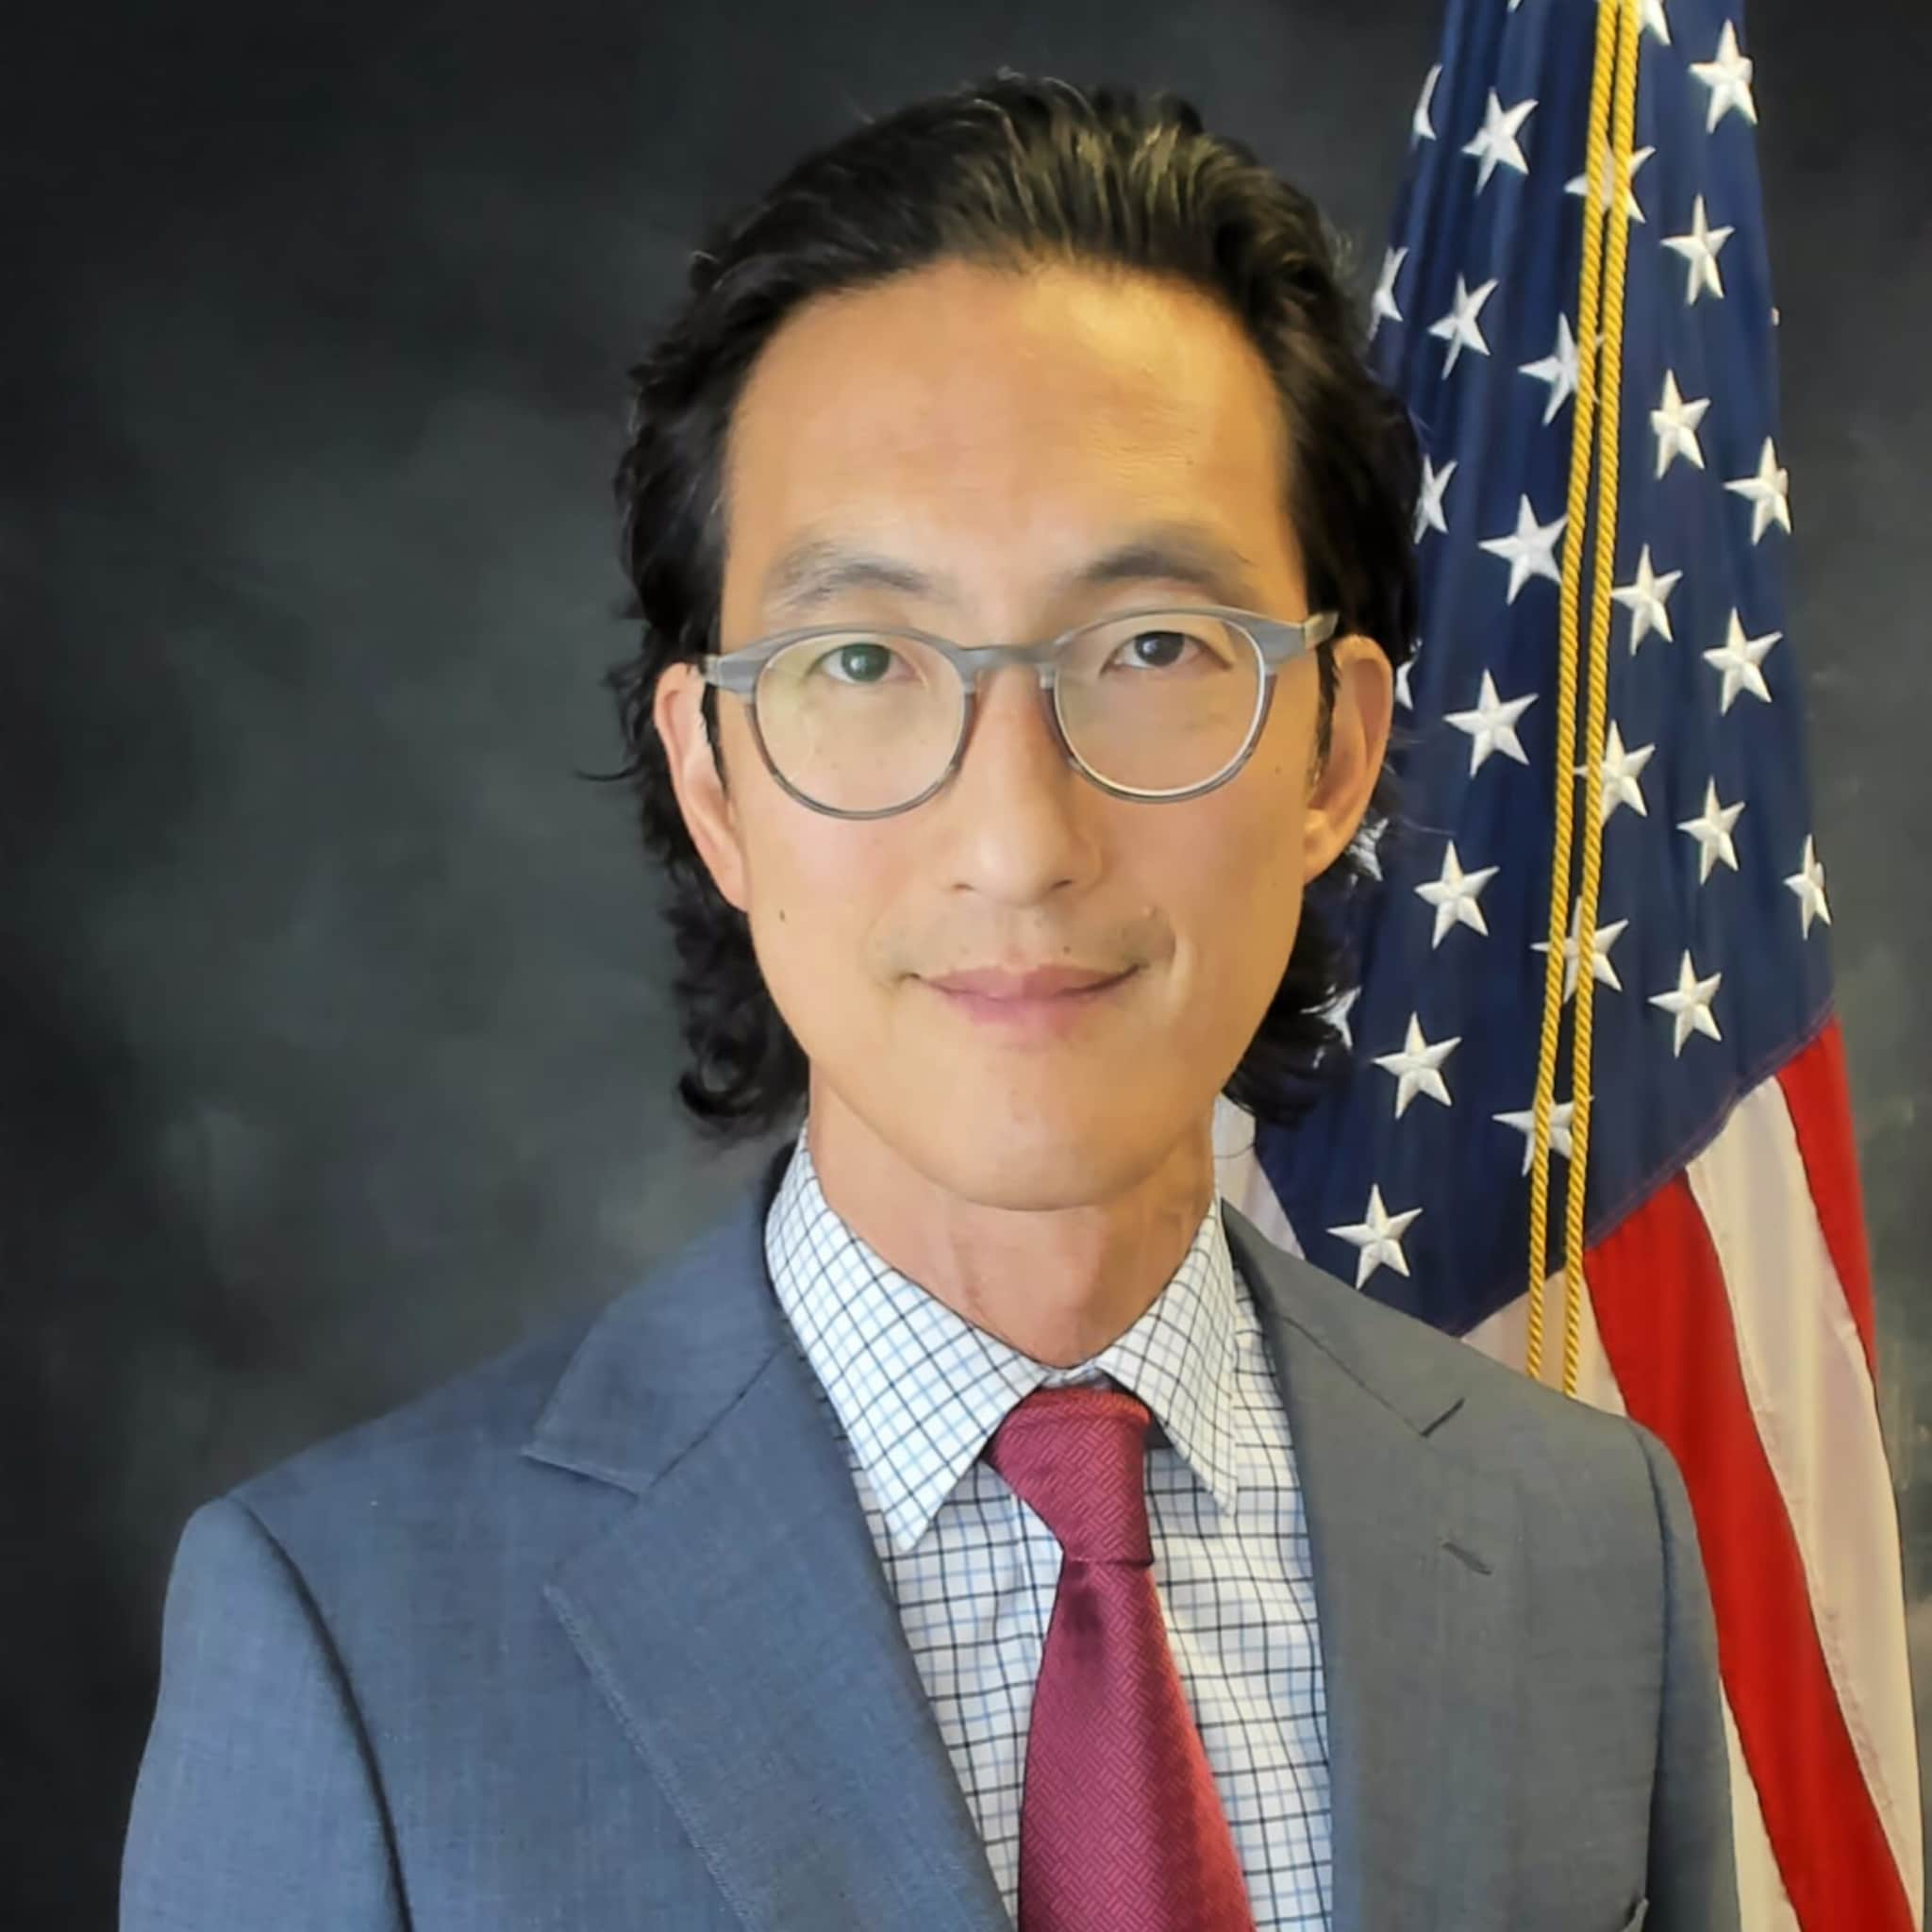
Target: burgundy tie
x: 1120, y: 1828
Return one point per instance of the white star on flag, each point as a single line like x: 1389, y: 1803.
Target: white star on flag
x: 1653, y: 20
x: 1557, y: 369
x: 1688, y: 1004
x: 1495, y: 142
x: 1530, y: 551
x: 1727, y: 74
x: 1455, y: 894
x: 1418, y: 1067
x: 1699, y: 247
x: 1378, y: 1236
x: 1579, y: 184
x: 1621, y: 769
x: 1458, y: 328
x: 1644, y: 597
x: 1419, y: 128
x: 1337, y: 1011
x: 1600, y: 968
x: 1492, y: 726
x: 1382, y: 304
x: 1739, y: 661
x: 1403, y: 695
x: 1768, y: 493
x: 1428, y: 503
x: 1809, y: 883
x: 1561, y: 1114
x: 1711, y: 828
x: 1675, y: 420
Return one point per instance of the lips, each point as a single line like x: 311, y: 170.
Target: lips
x: 1038, y: 983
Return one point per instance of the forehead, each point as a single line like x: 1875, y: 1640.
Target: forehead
x: 992, y: 423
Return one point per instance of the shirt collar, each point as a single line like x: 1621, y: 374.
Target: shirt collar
x: 920, y: 1391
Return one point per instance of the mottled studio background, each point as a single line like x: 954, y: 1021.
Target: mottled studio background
x: 334, y: 1042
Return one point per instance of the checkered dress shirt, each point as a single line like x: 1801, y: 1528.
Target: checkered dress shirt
x: 916, y: 1392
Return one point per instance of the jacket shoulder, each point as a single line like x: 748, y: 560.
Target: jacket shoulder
x: 1491, y: 1415
x: 463, y: 1434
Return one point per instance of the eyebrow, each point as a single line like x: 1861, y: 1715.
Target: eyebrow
x: 814, y: 569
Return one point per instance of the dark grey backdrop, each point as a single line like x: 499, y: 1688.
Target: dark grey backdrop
x: 335, y: 1043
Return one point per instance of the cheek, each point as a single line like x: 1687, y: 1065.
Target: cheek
x: 1246, y: 921
x: 819, y: 893
x: 1240, y: 883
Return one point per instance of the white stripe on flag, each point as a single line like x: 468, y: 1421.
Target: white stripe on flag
x: 1505, y: 1336
x: 1240, y: 1177
x: 1762, y: 1906
x: 1811, y: 1394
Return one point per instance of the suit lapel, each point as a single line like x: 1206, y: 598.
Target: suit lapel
x: 736, y: 1617
x: 1416, y: 1593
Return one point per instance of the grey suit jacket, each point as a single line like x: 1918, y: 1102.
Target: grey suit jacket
x: 595, y: 1638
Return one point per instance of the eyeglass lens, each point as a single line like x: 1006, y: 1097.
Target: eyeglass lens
x: 867, y: 721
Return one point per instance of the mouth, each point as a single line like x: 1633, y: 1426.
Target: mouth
x: 1037, y: 1016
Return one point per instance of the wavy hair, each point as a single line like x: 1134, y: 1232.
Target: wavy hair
x: 1010, y: 172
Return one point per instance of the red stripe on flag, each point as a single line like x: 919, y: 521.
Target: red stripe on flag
x: 1819, y: 1101
x: 1666, y: 1324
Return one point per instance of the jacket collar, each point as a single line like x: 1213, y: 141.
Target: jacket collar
x: 738, y: 1622
x: 667, y: 1359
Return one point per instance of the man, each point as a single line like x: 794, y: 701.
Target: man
x: 981, y: 1523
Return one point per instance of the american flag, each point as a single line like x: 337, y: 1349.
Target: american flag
x: 1729, y: 1302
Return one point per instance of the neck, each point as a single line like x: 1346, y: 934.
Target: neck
x: 1057, y: 1257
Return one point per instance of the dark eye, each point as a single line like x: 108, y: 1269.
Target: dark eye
x: 1156, y: 650
x: 857, y: 661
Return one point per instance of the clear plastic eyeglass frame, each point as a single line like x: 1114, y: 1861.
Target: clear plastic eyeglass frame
x: 1275, y: 639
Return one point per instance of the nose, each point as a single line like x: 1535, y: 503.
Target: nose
x: 1014, y: 730
x: 1017, y: 829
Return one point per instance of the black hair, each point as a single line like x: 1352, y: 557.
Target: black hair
x: 1010, y: 171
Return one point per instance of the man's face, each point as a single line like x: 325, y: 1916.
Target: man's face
x: 995, y: 433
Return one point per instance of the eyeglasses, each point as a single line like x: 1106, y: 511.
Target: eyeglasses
x: 1159, y: 704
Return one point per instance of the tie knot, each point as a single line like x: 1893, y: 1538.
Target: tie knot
x: 1078, y: 1457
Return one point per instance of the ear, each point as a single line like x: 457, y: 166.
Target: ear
x: 1357, y: 742
x: 709, y: 813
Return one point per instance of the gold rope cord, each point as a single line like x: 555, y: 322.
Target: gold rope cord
x: 1599, y: 329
